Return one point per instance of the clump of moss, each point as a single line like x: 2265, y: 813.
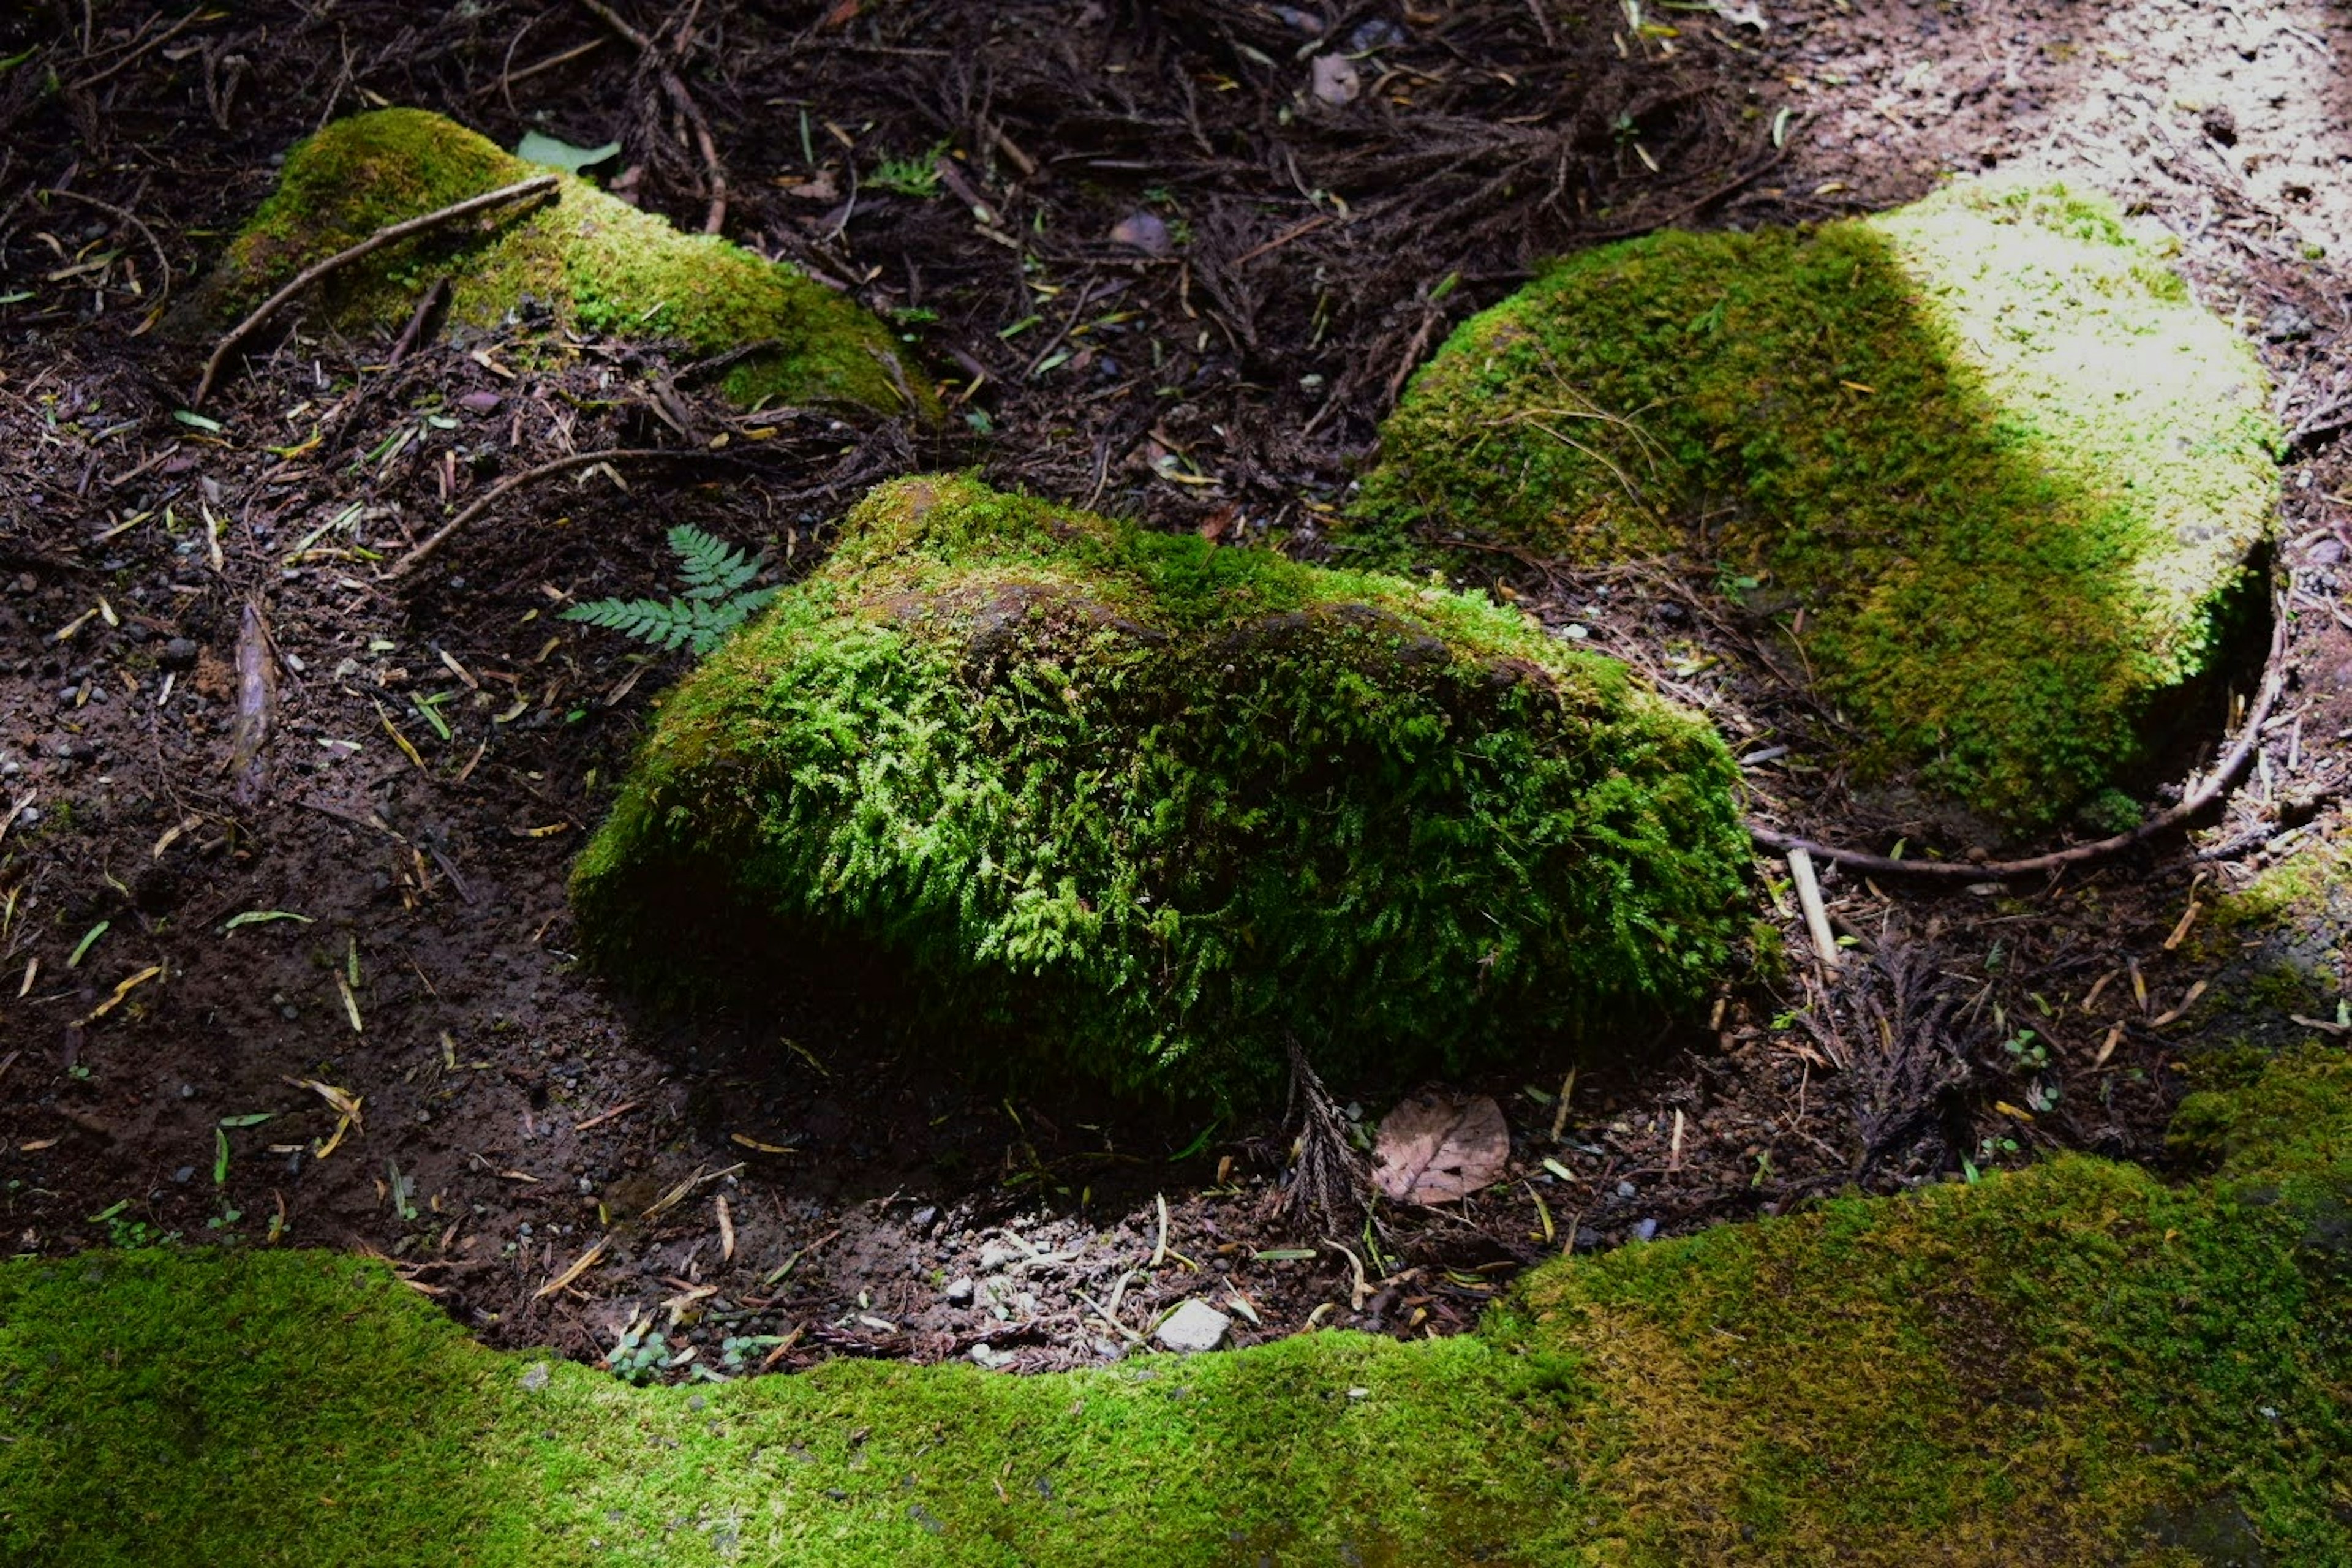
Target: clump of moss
x: 2277, y: 948
x: 1159, y: 805
x: 2010, y: 470
x: 593, y: 260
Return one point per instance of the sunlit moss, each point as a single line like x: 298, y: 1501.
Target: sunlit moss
x: 1154, y: 806
x: 2008, y: 471
x: 593, y: 260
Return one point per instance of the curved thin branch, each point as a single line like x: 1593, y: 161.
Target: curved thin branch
x: 161, y: 260
x: 415, y: 558
x: 521, y: 190
x: 2217, y: 784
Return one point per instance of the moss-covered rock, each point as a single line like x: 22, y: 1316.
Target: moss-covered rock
x: 2070, y: 1364
x: 2011, y: 472
x: 1158, y: 804
x: 593, y: 260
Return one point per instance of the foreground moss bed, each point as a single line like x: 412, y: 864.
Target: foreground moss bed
x: 590, y: 260
x: 2073, y: 1363
x: 2007, y: 469
x: 1163, y: 804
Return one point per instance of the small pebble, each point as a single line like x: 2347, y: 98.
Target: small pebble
x: 1192, y: 1328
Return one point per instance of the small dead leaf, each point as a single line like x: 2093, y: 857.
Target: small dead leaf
x: 1437, y: 1147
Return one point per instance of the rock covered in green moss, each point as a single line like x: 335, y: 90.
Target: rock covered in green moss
x: 2075, y: 1362
x: 1156, y: 805
x: 2010, y: 469
x: 596, y: 262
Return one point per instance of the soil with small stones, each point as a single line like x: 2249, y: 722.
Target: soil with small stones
x: 1159, y: 271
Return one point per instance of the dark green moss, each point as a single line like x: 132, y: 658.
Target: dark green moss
x: 2009, y: 471
x: 1163, y: 804
x: 595, y: 261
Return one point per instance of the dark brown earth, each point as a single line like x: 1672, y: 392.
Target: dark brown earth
x: 1299, y: 256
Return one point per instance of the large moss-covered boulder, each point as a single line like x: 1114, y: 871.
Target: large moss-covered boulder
x: 1156, y: 806
x: 2009, y: 469
x: 596, y: 262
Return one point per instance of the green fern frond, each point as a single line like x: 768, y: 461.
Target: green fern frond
x: 709, y: 567
x: 714, y: 575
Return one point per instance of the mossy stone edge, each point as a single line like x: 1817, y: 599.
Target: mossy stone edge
x: 2071, y: 1363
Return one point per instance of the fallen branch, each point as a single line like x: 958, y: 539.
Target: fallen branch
x: 415, y: 558
x: 2217, y: 784
x: 521, y: 190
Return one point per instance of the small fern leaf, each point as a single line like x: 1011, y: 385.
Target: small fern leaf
x: 709, y: 567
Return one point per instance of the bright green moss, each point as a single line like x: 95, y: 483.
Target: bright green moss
x: 597, y: 262
x: 2071, y: 1365
x: 1155, y: 806
x: 2011, y: 472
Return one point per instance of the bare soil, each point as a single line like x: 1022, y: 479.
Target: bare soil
x: 1160, y: 275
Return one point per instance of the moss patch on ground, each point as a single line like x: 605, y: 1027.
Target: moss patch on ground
x: 1156, y: 806
x: 2277, y: 948
x: 593, y: 260
x: 2009, y: 469
x: 2073, y: 1363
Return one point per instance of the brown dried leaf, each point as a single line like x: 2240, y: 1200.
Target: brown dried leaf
x: 1437, y: 1147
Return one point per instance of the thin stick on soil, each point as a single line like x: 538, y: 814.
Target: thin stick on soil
x: 417, y: 557
x: 161, y: 260
x: 257, y: 709
x: 521, y: 190
x: 1817, y: 915
x: 2217, y: 784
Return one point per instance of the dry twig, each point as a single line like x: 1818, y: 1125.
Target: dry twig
x: 415, y: 558
x: 521, y: 190
x: 1329, y: 1178
x: 161, y: 260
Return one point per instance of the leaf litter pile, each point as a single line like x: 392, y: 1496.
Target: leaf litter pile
x: 281, y: 876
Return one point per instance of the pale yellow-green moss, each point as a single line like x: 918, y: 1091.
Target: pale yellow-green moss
x: 2009, y: 469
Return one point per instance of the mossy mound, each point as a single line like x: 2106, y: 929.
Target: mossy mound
x: 2009, y: 469
x: 1156, y: 805
x: 593, y: 260
x: 2070, y: 1364
x: 2277, y: 949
